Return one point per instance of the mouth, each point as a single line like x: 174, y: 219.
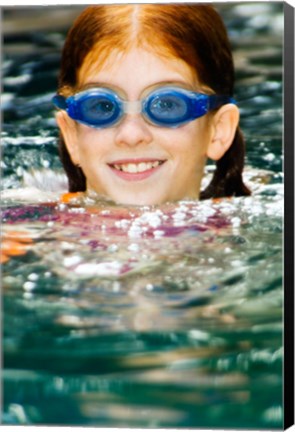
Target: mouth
x: 136, y: 169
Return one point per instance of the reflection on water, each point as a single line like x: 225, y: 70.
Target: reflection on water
x: 168, y: 316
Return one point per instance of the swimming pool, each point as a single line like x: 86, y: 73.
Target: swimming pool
x: 167, y: 316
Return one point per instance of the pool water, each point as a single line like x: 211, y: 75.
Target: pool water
x: 164, y: 316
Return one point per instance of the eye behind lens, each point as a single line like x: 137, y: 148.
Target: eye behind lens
x: 167, y: 107
x: 99, y: 110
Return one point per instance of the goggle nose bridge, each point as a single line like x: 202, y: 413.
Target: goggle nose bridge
x: 132, y: 107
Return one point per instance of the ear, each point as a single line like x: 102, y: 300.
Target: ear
x: 68, y: 130
x: 225, y: 123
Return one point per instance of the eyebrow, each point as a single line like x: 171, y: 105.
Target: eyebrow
x: 98, y: 85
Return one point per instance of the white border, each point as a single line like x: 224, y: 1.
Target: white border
x: 21, y: 3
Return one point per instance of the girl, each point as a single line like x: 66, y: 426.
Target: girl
x: 145, y: 97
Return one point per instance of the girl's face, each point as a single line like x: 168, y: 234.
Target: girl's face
x: 135, y: 162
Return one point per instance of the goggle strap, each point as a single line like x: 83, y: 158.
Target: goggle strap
x: 215, y: 101
x: 60, y: 102
x: 66, y: 104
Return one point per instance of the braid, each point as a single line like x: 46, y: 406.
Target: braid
x: 227, y: 178
x: 76, y: 177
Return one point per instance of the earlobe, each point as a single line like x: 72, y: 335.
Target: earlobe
x: 225, y: 123
x: 69, y: 133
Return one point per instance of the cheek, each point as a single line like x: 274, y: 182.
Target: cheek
x: 200, y: 135
x: 92, y: 143
x: 190, y: 141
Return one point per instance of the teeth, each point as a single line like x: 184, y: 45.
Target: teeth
x: 133, y: 168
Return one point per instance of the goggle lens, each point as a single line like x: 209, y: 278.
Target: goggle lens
x: 167, y: 108
x: 96, y: 109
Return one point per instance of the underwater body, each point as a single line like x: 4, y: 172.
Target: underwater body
x: 152, y: 316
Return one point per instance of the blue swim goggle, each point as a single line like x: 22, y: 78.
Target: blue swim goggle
x: 167, y: 106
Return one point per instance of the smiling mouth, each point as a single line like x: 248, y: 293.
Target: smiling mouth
x: 136, y: 167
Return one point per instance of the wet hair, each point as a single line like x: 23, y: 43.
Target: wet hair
x: 195, y: 33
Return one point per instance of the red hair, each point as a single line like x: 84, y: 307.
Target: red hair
x: 194, y: 33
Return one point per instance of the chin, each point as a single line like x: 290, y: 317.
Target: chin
x: 139, y: 199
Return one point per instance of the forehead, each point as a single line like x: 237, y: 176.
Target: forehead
x: 137, y: 67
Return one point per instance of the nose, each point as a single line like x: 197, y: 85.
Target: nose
x: 133, y: 131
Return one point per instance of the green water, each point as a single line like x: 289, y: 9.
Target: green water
x: 146, y: 317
